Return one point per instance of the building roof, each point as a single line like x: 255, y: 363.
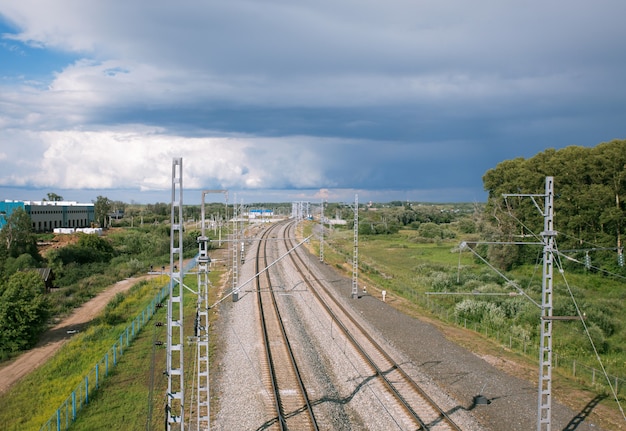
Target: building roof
x: 45, y: 273
x: 50, y: 203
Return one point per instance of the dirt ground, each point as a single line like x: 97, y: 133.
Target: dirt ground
x: 55, y: 337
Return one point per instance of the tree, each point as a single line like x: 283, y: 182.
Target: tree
x: 21, y: 263
x: 23, y: 311
x: 54, y: 197
x: 17, y: 236
x: 590, y: 185
x: 102, y: 208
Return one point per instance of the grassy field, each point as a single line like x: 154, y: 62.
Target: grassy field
x: 125, y: 400
x: 408, y: 267
x: 433, y: 279
x: 34, y: 399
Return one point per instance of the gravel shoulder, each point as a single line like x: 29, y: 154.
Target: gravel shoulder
x: 428, y: 348
x: 436, y: 350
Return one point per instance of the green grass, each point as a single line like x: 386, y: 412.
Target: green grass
x: 404, y: 264
x: 410, y: 267
x: 34, y: 399
x: 123, y: 401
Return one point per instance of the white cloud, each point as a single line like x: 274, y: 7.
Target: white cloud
x: 308, y: 94
x: 140, y: 158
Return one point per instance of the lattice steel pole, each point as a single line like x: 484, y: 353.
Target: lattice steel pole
x: 545, y: 349
x: 235, y: 249
x: 203, y: 407
x: 355, y: 255
x: 322, y: 231
x: 175, y: 409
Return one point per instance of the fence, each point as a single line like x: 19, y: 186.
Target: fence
x: 589, y: 376
x: 68, y: 410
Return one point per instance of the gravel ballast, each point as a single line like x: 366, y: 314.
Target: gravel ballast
x: 474, y: 392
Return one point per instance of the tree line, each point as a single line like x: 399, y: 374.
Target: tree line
x: 589, y: 207
x: 81, y: 268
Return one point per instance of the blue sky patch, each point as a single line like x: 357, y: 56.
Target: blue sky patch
x: 20, y: 61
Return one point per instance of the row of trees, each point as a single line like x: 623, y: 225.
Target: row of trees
x: 23, y: 304
x: 590, y: 212
x: 81, y: 268
x: 384, y: 219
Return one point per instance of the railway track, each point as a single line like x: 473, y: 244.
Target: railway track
x: 419, y: 411
x: 292, y: 407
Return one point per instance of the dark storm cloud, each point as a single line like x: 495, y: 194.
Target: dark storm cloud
x: 358, y: 95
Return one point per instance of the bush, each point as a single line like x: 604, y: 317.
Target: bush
x: 23, y: 311
x: 480, y: 311
x: 441, y: 282
x: 430, y: 230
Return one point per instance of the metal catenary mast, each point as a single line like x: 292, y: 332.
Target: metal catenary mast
x: 322, y: 231
x: 235, y: 254
x: 545, y: 347
x: 355, y: 255
x: 544, y: 413
x: 175, y: 396
x: 203, y: 408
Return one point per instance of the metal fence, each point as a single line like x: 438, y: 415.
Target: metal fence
x: 66, y: 413
x: 586, y: 375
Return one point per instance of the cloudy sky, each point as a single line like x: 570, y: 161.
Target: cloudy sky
x: 279, y: 100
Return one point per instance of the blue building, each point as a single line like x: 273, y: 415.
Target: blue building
x: 48, y: 215
x: 260, y: 213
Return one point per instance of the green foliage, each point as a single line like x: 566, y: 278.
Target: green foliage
x: 147, y: 243
x: 84, y: 268
x: 415, y: 269
x: 430, y: 230
x: 441, y: 281
x: 23, y: 312
x: 54, y: 197
x: 88, y: 249
x: 102, y: 208
x: 22, y: 262
x: 35, y: 398
x: 485, y: 312
x: 17, y: 237
x: 467, y: 226
x: 590, y: 189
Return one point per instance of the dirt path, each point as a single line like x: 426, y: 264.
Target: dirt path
x: 55, y: 337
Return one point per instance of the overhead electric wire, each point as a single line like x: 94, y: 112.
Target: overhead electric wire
x: 580, y: 315
x: 593, y: 345
x: 515, y: 218
x: 511, y: 282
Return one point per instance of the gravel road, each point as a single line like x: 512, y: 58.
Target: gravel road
x: 54, y: 338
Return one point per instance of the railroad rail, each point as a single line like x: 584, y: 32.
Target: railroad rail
x: 420, y: 408
x: 293, y: 409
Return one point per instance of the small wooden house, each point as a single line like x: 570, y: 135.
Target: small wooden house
x: 48, y: 277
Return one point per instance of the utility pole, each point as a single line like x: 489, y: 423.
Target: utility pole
x: 235, y: 248
x: 203, y: 406
x: 545, y: 348
x: 175, y: 409
x: 355, y: 255
x: 322, y: 230
x: 544, y: 401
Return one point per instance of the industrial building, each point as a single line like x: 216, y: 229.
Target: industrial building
x: 48, y: 215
